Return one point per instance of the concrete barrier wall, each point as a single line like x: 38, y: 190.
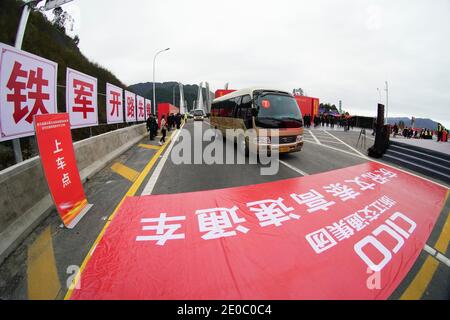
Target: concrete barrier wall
x: 24, y: 195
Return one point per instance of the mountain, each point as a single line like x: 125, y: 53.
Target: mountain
x: 420, y: 122
x: 165, y: 91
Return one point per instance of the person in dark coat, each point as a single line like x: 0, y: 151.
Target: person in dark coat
x: 152, y: 126
x: 178, y: 120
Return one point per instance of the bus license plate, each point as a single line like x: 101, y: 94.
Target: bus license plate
x: 284, y: 149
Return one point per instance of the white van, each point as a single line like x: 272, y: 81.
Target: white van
x: 199, y: 114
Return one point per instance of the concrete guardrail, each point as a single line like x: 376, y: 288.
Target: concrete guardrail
x: 25, y: 200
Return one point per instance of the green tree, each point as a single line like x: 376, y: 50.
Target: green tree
x: 60, y: 19
x: 298, y: 92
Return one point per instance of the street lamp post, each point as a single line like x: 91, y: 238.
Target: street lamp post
x: 173, y: 92
x: 27, y: 7
x: 154, y: 89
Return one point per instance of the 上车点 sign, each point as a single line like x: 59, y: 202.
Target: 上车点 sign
x: 60, y: 166
x: 27, y: 88
x: 314, y: 237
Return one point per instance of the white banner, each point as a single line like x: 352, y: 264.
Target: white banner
x: 130, y: 106
x: 114, y: 104
x: 140, y: 102
x: 148, y: 108
x: 27, y: 88
x: 81, y: 99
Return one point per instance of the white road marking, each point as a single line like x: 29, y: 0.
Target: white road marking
x: 340, y: 150
x: 303, y: 173
x: 346, y: 144
x: 384, y: 164
x: 329, y: 141
x: 314, y: 137
x: 154, y: 178
x: 443, y: 259
x: 430, y: 250
x: 437, y: 255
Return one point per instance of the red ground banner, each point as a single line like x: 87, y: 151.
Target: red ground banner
x: 352, y: 233
x: 60, y: 166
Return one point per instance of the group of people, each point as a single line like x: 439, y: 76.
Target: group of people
x: 173, y: 121
x: 328, y: 120
x: 410, y: 133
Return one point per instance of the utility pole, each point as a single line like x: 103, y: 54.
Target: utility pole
x: 173, y: 92
x: 18, y: 45
x: 154, y: 87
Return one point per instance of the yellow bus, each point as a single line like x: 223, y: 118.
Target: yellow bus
x: 258, y: 108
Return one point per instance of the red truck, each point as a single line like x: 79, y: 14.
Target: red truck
x: 164, y: 109
x: 308, y: 105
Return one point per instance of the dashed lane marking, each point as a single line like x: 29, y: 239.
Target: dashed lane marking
x: 42, y: 277
x: 149, y: 146
x: 124, y: 171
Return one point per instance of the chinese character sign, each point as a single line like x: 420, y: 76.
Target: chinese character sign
x: 27, y: 88
x: 60, y: 166
x: 140, y: 101
x: 312, y: 237
x: 81, y: 99
x: 148, y: 108
x: 130, y: 106
x: 114, y: 104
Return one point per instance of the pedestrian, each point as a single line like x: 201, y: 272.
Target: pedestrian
x: 153, y: 127
x: 169, y: 121
x: 178, y: 120
x: 150, y: 126
x: 163, y: 131
x: 395, y: 129
x: 439, y: 133
x: 147, y: 124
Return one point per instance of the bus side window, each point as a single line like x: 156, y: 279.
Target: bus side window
x: 237, y: 107
x: 226, y: 105
x: 220, y: 109
x: 246, y: 111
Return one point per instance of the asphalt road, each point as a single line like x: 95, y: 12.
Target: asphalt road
x: 45, y: 262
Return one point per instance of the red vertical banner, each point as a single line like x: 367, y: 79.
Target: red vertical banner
x: 60, y: 166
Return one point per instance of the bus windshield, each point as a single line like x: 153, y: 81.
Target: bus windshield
x: 278, y: 110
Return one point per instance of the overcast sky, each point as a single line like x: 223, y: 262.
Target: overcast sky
x: 334, y: 50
